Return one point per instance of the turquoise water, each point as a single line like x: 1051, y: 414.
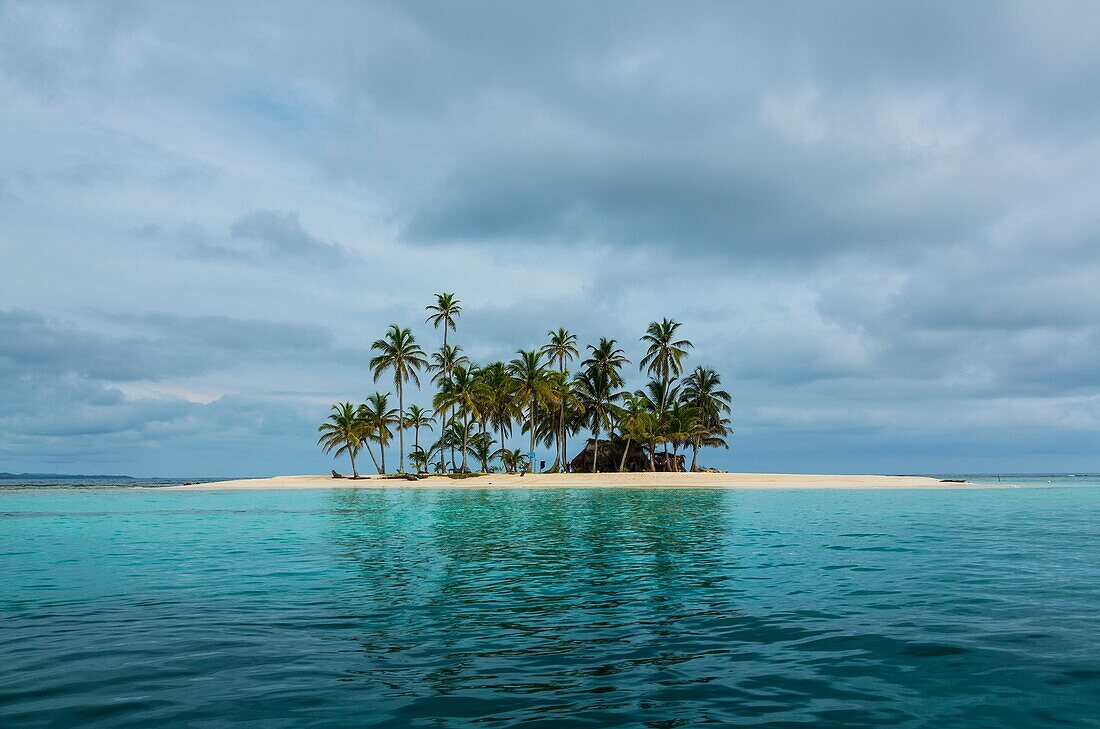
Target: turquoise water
x: 662, y: 608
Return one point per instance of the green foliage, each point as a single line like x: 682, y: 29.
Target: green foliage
x: 480, y: 407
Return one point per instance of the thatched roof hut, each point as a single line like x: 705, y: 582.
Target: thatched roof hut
x: 611, y: 455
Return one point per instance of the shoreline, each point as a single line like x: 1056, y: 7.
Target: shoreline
x: 744, y: 481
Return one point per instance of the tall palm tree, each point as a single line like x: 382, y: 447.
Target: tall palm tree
x: 444, y: 313
x: 563, y: 348
x: 443, y: 363
x: 418, y: 418
x: 597, y: 397
x: 399, y: 352
x: 702, y: 390
x: 607, y: 357
x: 344, y: 431
x: 461, y: 393
x: 665, y: 353
x: 532, y: 386
x: 664, y: 358
x: 379, y: 416
x: 498, y: 399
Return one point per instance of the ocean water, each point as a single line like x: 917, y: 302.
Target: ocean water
x: 127, y: 607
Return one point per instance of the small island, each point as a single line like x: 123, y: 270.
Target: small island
x: 634, y: 480
x: 631, y: 439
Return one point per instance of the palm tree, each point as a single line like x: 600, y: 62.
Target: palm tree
x: 511, y: 459
x: 665, y: 354
x: 418, y: 418
x: 659, y: 396
x: 480, y: 446
x: 597, y: 397
x: 379, y: 416
x: 664, y: 357
x: 344, y: 431
x: 607, y: 357
x: 702, y: 390
x: 634, y: 419
x: 444, y: 313
x: 498, y: 404
x: 563, y: 348
x: 420, y: 458
x: 399, y: 352
x: 443, y: 363
x: 461, y: 392
x: 532, y: 386
x: 683, y: 425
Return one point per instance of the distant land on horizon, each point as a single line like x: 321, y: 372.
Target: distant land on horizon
x: 5, y: 476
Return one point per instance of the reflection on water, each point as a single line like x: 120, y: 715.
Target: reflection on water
x: 647, y: 607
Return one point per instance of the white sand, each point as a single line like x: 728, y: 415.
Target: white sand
x: 597, y: 480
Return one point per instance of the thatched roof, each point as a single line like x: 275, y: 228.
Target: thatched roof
x: 611, y: 455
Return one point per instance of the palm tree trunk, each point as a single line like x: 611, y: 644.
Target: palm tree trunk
x: 622, y: 463
x: 465, y: 431
x: 354, y: 472
x: 694, y: 455
x: 595, y: 450
x: 532, y: 426
x: 401, y: 427
x: 653, y: 457
x: 561, y: 422
x: 382, y: 452
x: 449, y: 418
x: 370, y: 452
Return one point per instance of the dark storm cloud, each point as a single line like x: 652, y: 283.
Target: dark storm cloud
x: 156, y: 346
x: 223, y: 333
x: 32, y: 345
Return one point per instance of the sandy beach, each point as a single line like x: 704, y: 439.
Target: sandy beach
x: 597, y: 480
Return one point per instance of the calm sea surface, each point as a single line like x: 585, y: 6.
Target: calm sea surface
x: 138, y: 607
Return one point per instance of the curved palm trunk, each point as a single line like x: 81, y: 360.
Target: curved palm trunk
x: 622, y: 463
x: 465, y: 431
x: 401, y: 427
x: 694, y: 456
x: 561, y: 424
x: 354, y: 472
x: 450, y: 417
x: 370, y: 452
x: 596, y: 451
x: 532, y: 426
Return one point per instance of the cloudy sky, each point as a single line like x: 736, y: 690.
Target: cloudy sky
x: 878, y: 221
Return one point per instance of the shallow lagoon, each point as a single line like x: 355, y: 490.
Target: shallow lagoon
x: 138, y: 607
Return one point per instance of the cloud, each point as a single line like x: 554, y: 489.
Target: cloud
x: 262, y: 236
x: 878, y: 222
